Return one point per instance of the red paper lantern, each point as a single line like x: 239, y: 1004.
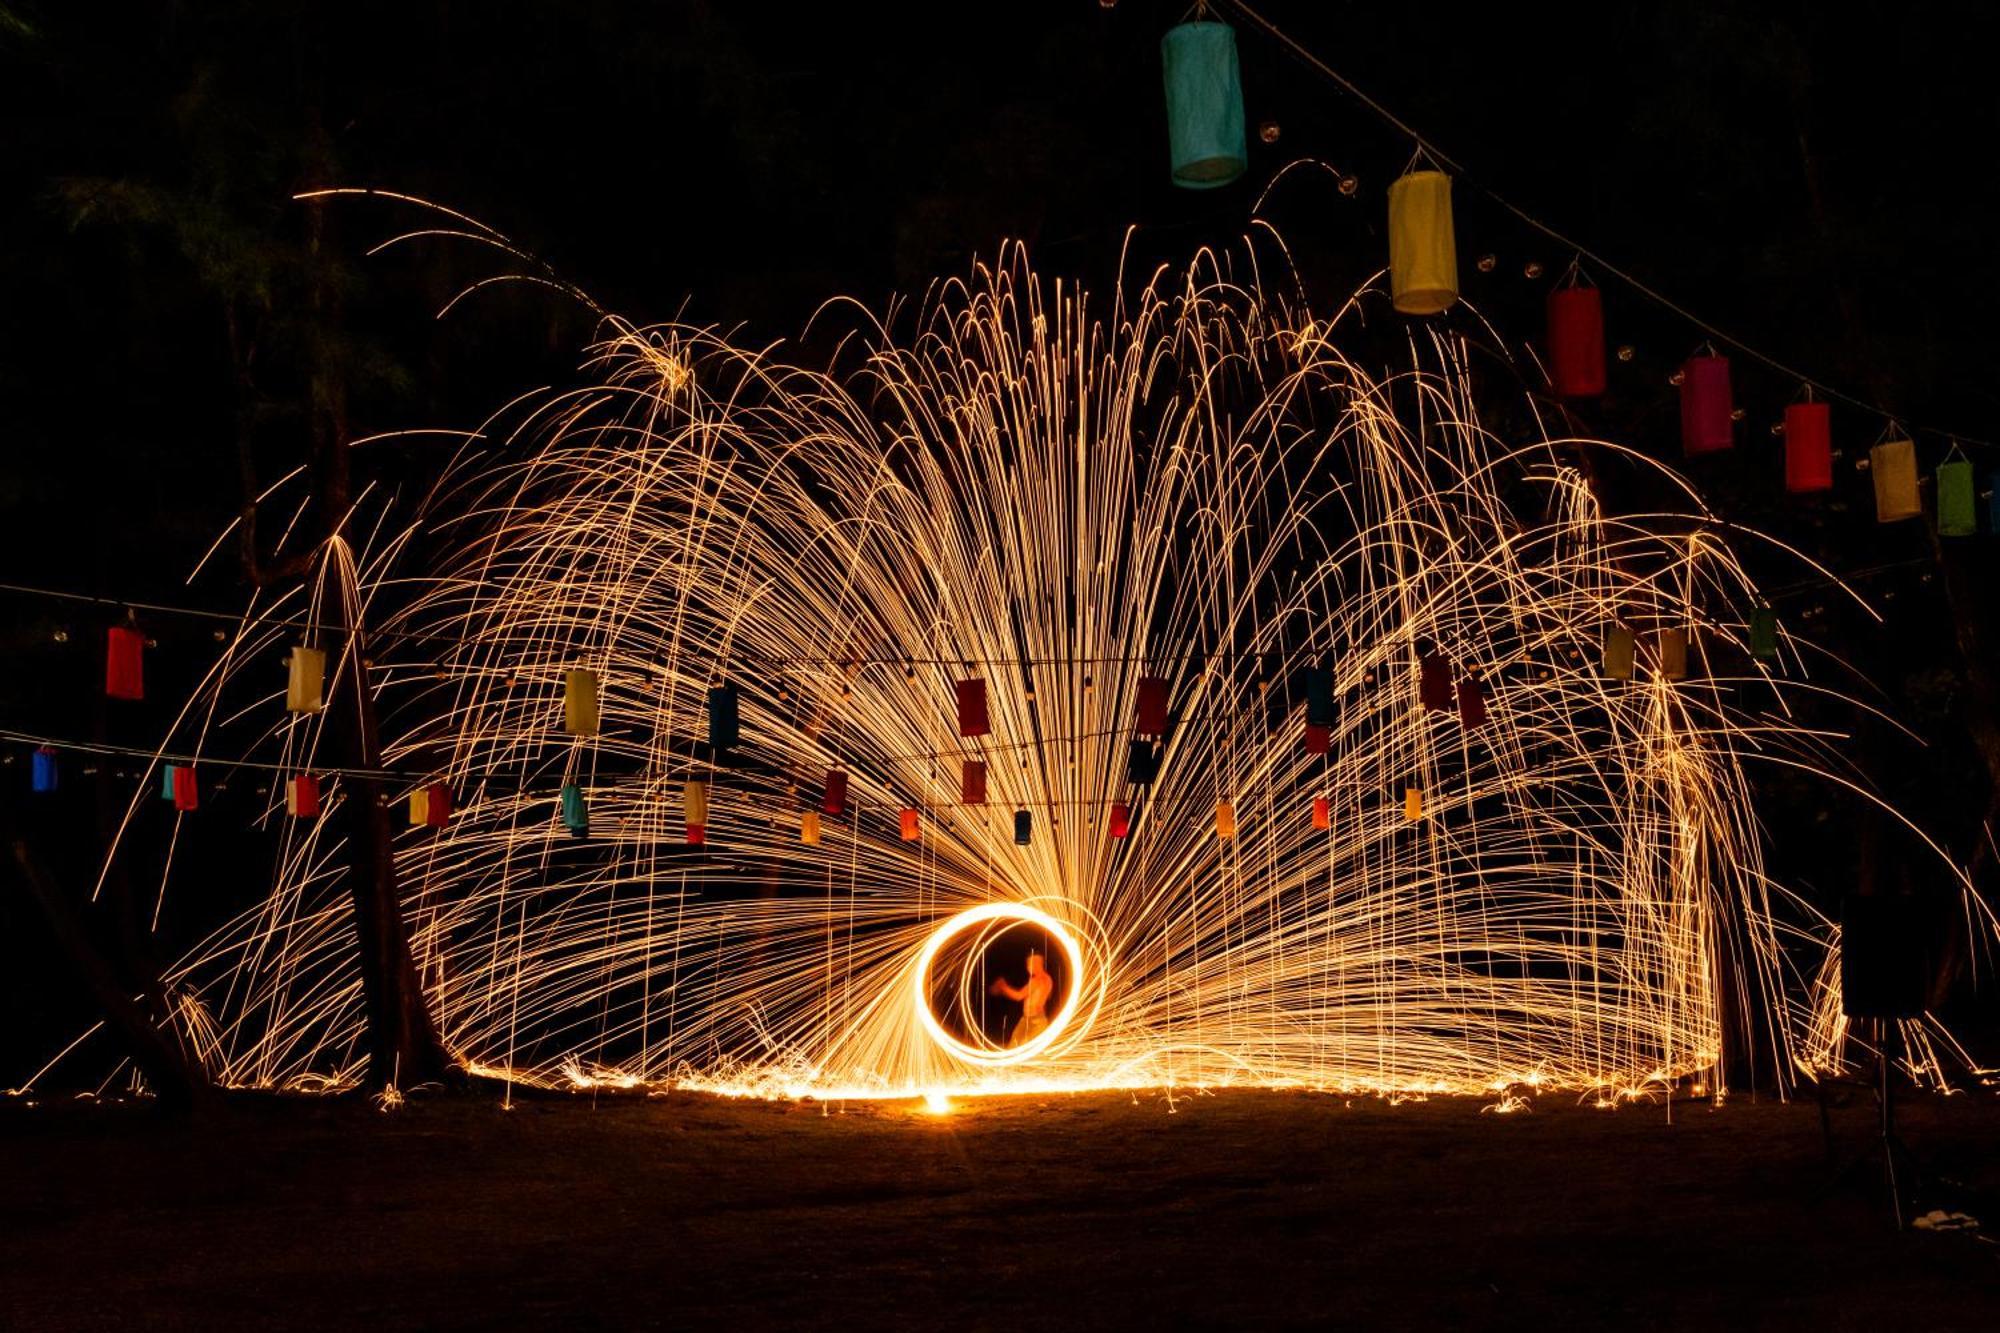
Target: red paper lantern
x: 1471, y: 702
x: 972, y: 720
x: 907, y: 823
x: 1708, y: 408
x: 437, y: 810
x: 834, y: 802
x: 1121, y: 819
x: 1152, y: 709
x: 1319, y: 740
x: 302, y: 796
x: 124, y: 663
x: 1576, y: 342
x: 1435, y: 686
x: 972, y: 782
x: 187, y: 793
x: 1808, y: 448
x: 1322, y: 813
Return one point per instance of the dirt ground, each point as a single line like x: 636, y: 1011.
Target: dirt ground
x: 1238, y: 1209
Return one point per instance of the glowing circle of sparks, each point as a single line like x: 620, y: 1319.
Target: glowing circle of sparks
x: 1022, y: 913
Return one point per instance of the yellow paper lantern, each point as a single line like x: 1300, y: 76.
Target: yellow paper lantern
x: 1423, y: 253
x: 1413, y: 804
x: 580, y: 702
x: 1619, y: 651
x: 420, y: 807
x: 304, y: 690
x: 694, y: 804
x: 809, y: 828
x: 1893, y: 465
x: 1674, y: 654
x: 1225, y: 819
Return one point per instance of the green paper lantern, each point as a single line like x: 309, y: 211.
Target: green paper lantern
x: 1204, y: 105
x: 1763, y: 633
x: 1956, y: 515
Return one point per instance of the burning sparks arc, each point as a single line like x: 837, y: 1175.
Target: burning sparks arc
x: 1202, y: 488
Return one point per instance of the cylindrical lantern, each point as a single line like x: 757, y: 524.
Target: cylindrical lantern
x: 972, y: 718
x: 1576, y: 342
x: 437, y: 805
x: 1471, y: 702
x: 1152, y: 706
x: 187, y: 793
x: 302, y: 796
x: 694, y: 808
x: 1225, y: 819
x: 1620, y: 650
x: 167, y: 781
x: 580, y: 702
x: 834, y: 800
x: 1435, y: 684
x: 420, y: 807
x: 1121, y: 819
x: 124, y: 663
x: 1808, y: 448
x: 1763, y: 633
x: 725, y: 726
x: 1024, y: 827
x: 972, y: 782
x: 1322, y: 813
x: 1423, y: 254
x: 1319, y: 740
x: 1674, y: 654
x: 1956, y: 515
x: 907, y: 824
x: 1413, y: 803
x: 1204, y: 105
x: 1142, y: 764
x: 1708, y: 408
x: 809, y: 828
x: 1893, y: 466
x: 575, y: 810
x: 43, y: 778
x: 306, y: 682
x: 1319, y: 698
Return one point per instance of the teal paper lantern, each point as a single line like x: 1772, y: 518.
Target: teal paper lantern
x: 1204, y: 105
x: 1956, y: 516
x: 575, y: 811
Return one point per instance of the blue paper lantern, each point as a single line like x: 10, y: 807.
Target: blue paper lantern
x: 1204, y: 105
x: 1024, y: 827
x: 44, y: 769
x: 725, y: 726
x: 1319, y: 697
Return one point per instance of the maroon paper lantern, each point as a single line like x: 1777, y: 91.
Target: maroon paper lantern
x: 187, y: 793
x: 437, y: 811
x: 972, y: 782
x: 834, y: 801
x: 1708, y: 408
x: 972, y: 720
x: 1471, y: 702
x: 1808, y: 448
x: 1576, y: 342
x: 124, y: 663
x: 1152, y: 709
x: 1319, y: 740
x: 1435, y: 687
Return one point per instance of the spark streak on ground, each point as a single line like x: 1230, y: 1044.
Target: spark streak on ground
x: 1013, y: 484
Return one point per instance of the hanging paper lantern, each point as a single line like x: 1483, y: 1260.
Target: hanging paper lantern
x: 1956, y: 514
x: 907, y: 824
x: 1423, y: 254
x: 580, y: 702
x: 725, y: 726
x: 575, y: 810
x: 1142, y: 764
x: 1204, y: 105
x: 972, y: 718
x: 1024, y: 827
x: 1435, y: 683
x: 1121, y: 819
x: 302, y: 796
x: 972, y: 782
x: 167, y: 781
x: 694, y: 808
x: 1322, y: 813
x: 43, y: 777
x: 1225, y: 819
x: 420, y: 807
x: 1763, y: 633
x: 1708, y: 408
x: 1319, y: 740
x: 1893, y: 467
x: 124, y: 663
x: 1413, y: 803
x: 437, y: 805
x: 1808, y: 448
x: 1152, y: 706
x: 1576, y: 342
x: 1674, y: 654
x: 834, y: 800
x: 809, y: 828
x: 187, y: 793
x: 1471, y: 702
x: 306, y: 683
x: 1319, y: 697
x: 1620, y: 651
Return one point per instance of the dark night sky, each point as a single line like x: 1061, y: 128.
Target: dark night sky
x: 1811, y: 177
